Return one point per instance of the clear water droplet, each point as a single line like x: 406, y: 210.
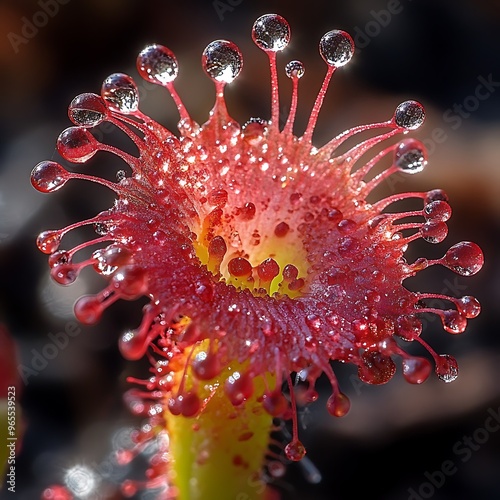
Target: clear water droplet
x: 295, y: 451
x: 469, y: 306
x: 120, y: 93
x: 271, y: 32
x: 454, y: 322
x: 410, y: 156
x: 447, y: 368
x: 48, y: 241
x: 77, y: 144
x: 465, y: 258
x: 222, y: 61
x: 295, y: 69
x: 434, y: 231
x: 157, y: 64
x: 49, y: 176
x: 416, y: 370
x: 336, y: 48
x: 409, y: 115
x: 87, y: 110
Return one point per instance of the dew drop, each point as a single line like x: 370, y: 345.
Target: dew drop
x: 469, y: 306
x: 87, y: 110
x: 295, y: 69
x: 217, y: 248
x: 290, y: 272
x: 336, y: 48
x: 454, y: 322
x: 295, y: 451
x: 377, y: 368
x: 108, y: 259
x: 77, y: 144
x: 239, y: 267
x: 410, y: 156
x: 416, y: 370
x: 187, y: 404
x: 49, y: 176
x: 268, y: 270
x: 281, y: 229
x: 338, y: 405
x: 409, y: 115
x: 206, y: 366
x: 271, y: 32
x: 120, y: 93
x: 133, y: 344
x: 434, y: 232
x: 446, y: 368
x: 48, y: 242
x: 275, y: 403
x: 88, y: 310
x: 218, y: 198
x: 120, y: 175
x: 437, y: 211
x: 435, y: 195
x: 64, y: 274
x: 157, y: 64
x: 247, y: 212
x: 222, y: 61
x: 58, y: 258
x: 238, y: 387
x: 254, y: 130
x: 190, y: 405
x: 130, y: 281
x: 465, y: 258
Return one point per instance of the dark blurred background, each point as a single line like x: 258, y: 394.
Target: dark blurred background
x: 394, y: 443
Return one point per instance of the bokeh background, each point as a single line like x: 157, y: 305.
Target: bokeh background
x: 397, y: 436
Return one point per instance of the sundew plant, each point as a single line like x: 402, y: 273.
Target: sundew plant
x: 262, y: 260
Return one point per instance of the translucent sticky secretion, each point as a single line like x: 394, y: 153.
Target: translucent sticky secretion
x: 87, y: 110
x: 410, y: 156
x: 157, y: 64
x: 336, y: 48
x: 295, y: 69
x: 409, y: 115
x: 271, y: 32
x: 222, y: 61
x: 120, y: 93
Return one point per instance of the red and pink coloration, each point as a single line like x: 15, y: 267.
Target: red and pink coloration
x: 255, y: 241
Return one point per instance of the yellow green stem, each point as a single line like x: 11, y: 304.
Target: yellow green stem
x: 219, y: 454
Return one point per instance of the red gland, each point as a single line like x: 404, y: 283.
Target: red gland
x: 238, y: 387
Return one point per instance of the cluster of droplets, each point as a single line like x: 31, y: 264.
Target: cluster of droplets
x: 201, y: 225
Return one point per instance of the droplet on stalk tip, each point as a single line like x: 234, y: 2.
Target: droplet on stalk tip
x: 222, y: 61
x: 271, y: 32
